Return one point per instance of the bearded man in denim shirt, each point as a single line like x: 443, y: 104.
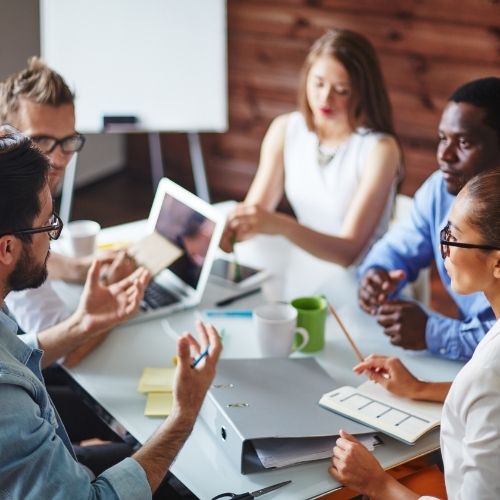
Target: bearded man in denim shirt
x: 37, y: 459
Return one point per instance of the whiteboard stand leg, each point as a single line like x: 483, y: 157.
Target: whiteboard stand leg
x: 155, y: 158
x: 198, y: 166
x: 67, y: 190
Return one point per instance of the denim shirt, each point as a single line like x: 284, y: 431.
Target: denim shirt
x: 36, y: 457
x: 414, y: 245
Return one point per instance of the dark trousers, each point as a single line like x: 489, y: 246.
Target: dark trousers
x: 82, y: 423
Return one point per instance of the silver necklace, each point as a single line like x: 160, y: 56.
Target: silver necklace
x: 325, y: 158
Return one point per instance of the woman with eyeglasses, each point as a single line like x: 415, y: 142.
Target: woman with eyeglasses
x: 336, y: 159
x: 470, y: 425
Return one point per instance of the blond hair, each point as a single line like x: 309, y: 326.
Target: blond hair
x: 37, y: 83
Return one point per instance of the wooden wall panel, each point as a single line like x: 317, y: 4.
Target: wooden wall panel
x: 462, y: 11
x: 426, y: 48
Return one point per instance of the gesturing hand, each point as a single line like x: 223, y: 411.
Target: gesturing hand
x: 375, y: 286
x: 102, y: 307
x: 117, y: 268
x: 191, y: 384
x: 404, y: 322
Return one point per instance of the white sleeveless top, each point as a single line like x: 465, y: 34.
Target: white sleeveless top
x: 321, y: 195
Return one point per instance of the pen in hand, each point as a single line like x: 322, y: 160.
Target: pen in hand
x: 198, y: 358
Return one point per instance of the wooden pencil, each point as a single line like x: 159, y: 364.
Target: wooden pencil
x: 346, y: 333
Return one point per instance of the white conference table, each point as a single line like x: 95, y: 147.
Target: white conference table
x: 110, y: 374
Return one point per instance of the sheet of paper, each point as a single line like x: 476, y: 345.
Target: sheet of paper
x: 155, y: 252
x: 159, y: 404
x: 283, y: 452
x: 156, y: 380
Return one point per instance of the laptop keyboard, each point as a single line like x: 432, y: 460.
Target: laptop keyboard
x: 156, y: 296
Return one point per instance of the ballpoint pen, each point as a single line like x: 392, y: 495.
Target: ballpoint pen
x: 239, y: 296
x: 200, y: 357
x: 235, y: 313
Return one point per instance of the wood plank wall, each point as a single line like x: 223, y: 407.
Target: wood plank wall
x: 427, y: 48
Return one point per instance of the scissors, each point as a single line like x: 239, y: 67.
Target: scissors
x: 253, y: 494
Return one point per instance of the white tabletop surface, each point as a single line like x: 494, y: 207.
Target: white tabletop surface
x: 111, y: 373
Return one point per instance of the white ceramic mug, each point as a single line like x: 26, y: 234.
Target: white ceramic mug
x: 276, y: 326
x: 82, y: 237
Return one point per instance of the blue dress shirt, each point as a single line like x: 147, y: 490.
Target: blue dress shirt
x: 412, y: 246
x: 36, y: 457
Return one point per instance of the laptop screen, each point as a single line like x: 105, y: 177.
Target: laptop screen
x: 189, y: 230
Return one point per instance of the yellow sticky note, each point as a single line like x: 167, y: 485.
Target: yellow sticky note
x: 156, y: 380
x: 159, y: 404
x: 113, y: 245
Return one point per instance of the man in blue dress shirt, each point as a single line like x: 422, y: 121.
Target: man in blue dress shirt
x: 469, y: 143
x: 36, y: 458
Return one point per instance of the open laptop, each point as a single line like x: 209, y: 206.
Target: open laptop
x: 195, y: 227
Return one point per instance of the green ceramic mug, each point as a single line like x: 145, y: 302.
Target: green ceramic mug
x: 312, y: 312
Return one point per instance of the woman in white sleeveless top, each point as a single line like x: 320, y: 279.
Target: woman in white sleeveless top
x: 337, y: 159
x: 470, y: 423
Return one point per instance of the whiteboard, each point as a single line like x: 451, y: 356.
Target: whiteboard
x: 163, y: 61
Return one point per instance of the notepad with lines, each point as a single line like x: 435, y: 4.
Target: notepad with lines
x: 371, y: 404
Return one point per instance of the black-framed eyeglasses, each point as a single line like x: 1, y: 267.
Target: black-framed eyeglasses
x: 69, y: 144
x: 445, y: 243
x: 54, y: 228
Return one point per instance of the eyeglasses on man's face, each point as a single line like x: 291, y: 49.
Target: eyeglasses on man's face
x: 54, y: 228
x: 70, y: 144
x: 445, y: 243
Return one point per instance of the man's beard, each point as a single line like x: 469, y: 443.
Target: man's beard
x: 27, y: 273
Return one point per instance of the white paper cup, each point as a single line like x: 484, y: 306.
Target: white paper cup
x: 276, y: 326
x: 83, y: 237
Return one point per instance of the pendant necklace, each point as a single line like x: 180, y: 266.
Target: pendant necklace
x: 325, y: 157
